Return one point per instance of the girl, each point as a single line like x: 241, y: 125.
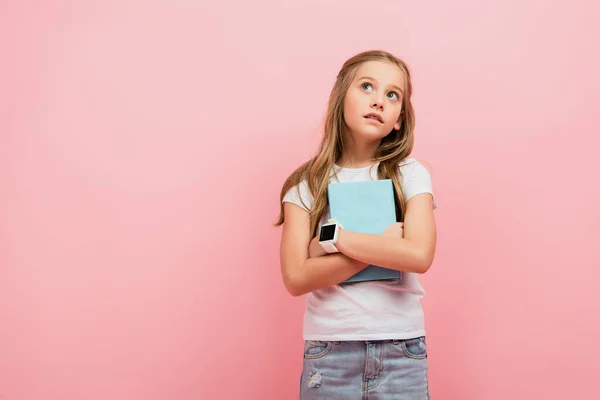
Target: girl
x: 363, y: 340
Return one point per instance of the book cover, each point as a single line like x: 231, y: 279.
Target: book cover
x: 365, y: 207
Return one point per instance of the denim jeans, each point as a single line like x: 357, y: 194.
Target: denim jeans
x: 365, y: 370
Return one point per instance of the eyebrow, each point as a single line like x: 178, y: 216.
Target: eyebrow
x: 373, y: 79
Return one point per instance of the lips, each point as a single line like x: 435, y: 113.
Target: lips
x: 375, y: 116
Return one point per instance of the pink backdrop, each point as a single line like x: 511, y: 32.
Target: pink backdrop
x: 143, y: 145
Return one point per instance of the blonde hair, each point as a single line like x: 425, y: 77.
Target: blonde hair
x: 394, y: 148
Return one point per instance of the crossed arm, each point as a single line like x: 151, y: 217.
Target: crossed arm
x: 305, y: 267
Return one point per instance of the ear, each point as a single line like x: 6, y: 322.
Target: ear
x: 397, y: 126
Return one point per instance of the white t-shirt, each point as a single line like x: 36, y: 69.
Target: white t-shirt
x: 367, y: 310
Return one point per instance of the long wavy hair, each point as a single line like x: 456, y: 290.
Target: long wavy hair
x: 394, y: 147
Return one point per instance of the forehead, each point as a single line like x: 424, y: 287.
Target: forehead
x: 386, y: 73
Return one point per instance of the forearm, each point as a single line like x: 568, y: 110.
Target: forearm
x: 321, y: 272
x: 389, y: 252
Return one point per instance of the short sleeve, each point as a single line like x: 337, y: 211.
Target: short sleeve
x: 416, y: 180
x: 299, y: 195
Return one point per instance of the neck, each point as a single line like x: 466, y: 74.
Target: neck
x: 359, y: 153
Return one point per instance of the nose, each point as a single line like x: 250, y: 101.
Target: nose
x: 377, y: 102
x: 378, y: 105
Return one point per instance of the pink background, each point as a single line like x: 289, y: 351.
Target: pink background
x: 128, y: 272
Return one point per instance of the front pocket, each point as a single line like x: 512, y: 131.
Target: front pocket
x: 415, y: 348
x: 316, y: 348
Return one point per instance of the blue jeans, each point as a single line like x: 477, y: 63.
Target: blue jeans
x: 365, y: 370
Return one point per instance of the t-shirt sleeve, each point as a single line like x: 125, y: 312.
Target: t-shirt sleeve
x: 299, y: 195
x: 416, y: 180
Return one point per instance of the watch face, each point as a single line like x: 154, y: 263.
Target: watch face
x: 327, y: 233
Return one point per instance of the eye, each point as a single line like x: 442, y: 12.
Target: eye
x: 366, y: 85
x: 394, y: 94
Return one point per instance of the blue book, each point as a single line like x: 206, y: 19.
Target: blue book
x: 365, y: 207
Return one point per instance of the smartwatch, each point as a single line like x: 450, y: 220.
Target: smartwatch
x: 329, y: 235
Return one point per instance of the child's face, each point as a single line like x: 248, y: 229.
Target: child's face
x: 377, y: 88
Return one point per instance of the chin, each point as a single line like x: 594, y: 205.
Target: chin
x: 370, y: 134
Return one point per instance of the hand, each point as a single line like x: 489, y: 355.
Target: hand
x: 315, y: 249
x: 395, y: 230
